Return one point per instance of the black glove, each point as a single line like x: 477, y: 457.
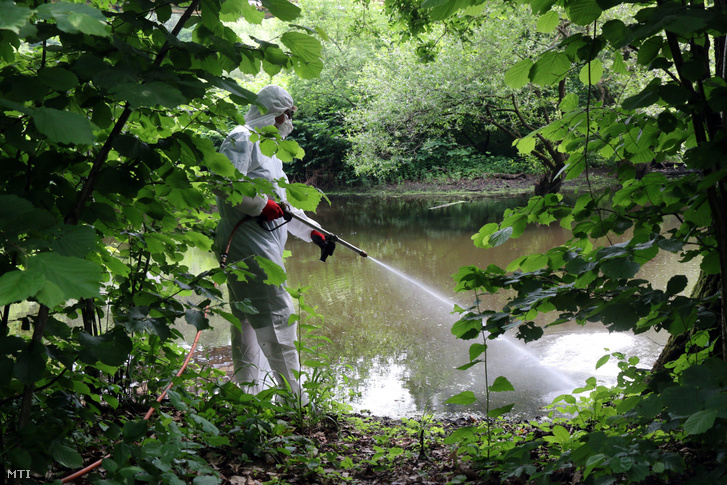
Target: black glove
x: 327, y: 244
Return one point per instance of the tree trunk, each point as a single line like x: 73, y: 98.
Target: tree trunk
x: 707, y: 285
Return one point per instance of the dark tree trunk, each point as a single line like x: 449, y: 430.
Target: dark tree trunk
x: 707, y: 285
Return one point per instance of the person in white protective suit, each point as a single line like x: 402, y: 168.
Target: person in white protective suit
x: 265, y: 348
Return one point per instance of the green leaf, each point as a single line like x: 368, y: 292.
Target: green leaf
x: 148, y: 94
x: 65, y: 455
x: 63, y: 126
x: 583, y: 12
x: 275, y: 274
x: 467, y: 328
x: 501, y: 384
x: 710, y: 263
x: 700, y: 421
x: 620, y: 268
x: 676, y: 285
x: 591, y: 73
x: 519, y: 74
x: 197, y: 319
x: 302, y: 45
x: 569, y: 103
x: 464, y: 398
x: 648, y: 96
x: 58, y: 78
x: 493, y: 413
x: 74, y: 241
x: 534, y: 262
x: 602, y: 361
x: 231, y: 86
x: 30, y: 366
x: 75, y: 277
x: 501, y: 236
x: 282, y: 9
x: 476, y: 350
x: 75, y: 18
x: 548, y: 22
x: 307, y: 69
x: 19, y: 285
x: 525, y: 145
x: 302, y: 196
x: 111, y: 348
x: 13, y: 17
x: 550, y: 68
x: 133, y: 430
x: 232, y: 10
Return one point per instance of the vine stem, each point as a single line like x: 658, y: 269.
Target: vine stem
x: 102, y: 156
x: 38, y: 332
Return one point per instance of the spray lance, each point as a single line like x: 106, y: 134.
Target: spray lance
x: 328, y: 245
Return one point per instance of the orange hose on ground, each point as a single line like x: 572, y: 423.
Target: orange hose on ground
x: 96, y: 464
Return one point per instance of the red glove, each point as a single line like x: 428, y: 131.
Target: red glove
x: 327, y: 244
x: 272, y: 211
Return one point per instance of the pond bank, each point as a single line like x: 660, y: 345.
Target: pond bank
x: 490, y: 185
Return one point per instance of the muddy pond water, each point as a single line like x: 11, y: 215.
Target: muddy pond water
x: 390, y: 323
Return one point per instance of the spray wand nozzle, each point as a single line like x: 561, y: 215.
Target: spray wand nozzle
x: 329, y: 236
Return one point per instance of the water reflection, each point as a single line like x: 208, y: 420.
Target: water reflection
x: 395, y: 335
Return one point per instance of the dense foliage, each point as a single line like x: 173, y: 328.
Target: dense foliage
x: 629, y: 433
x: 106, y: 179
x: 109, y: 116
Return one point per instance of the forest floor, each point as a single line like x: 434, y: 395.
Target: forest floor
x: 372, y: 450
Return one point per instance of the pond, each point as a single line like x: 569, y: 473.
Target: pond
x: 389, y: 323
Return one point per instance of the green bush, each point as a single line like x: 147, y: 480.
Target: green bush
x: 439, y: 159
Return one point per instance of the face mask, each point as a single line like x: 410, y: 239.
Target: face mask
x: 285, y: 127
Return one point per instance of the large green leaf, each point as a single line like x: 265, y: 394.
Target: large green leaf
x: 74, y: 241
x: 548, y: 22
x: 232, y: 87
x: 493, y: 413
x: 111, y: 348
x: 501, y: 384
x: 464, y: 398
x: 700, y: 422
x: 149, y: 94
x: 591, y: 73
x: 19, y: 285
x: 282, y: 9
x: 307, y: 69
x: 13, y: 17
x: 65, y: 455
x: 30, y: 366
x: 74, y: 277
x: 519, y: 74
x: 583, y: 12
x: 275, y: 274
x: 550, y: 68
x: 302, y: 196
x: 58, y: 78
x: 302, y: 45
x: 75, y: 18
x: 63, y: 126
x: 232, y: 10
x: 197, y: 319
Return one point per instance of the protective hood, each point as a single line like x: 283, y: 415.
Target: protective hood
x: 275, y: 100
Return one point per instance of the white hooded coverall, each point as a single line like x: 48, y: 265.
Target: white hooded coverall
x: 267, y: 340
